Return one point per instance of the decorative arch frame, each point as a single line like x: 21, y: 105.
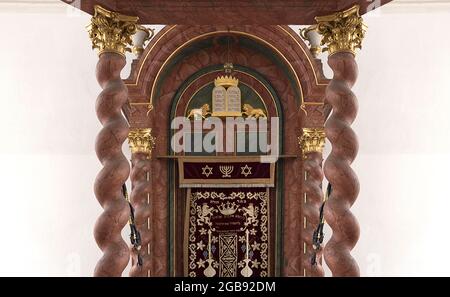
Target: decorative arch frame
x: 281, y: 39
x: 178, y: 108
x: 282, y: 58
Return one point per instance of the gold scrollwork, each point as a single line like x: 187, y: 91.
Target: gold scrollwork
x: 312, y: 140
x: 342, y: 31
x: 141, y: 140
x: 111, y: 32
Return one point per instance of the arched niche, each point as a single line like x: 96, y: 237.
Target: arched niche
x: 277, y: 56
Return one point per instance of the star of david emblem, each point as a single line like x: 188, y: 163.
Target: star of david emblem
x: 246, y: 170
x: 207, y: 171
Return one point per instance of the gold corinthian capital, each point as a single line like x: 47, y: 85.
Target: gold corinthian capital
x: 141, y: 140
x: 111, y: 32
x: 342, y: 31
x: 312, y: 140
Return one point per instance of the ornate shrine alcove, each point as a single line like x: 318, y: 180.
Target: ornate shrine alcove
x: 174, y: 75
x: 270, y: 73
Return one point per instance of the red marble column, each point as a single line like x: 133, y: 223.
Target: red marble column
x: 342, y: 34
x: 312, y: 142
x: 111, y: 33
x: 115, y: 171
x: 337, y: 166
x: 141, y: 144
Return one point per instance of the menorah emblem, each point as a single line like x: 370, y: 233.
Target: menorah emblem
x: 226, y: 170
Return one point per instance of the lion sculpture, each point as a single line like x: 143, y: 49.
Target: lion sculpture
x: 199, y: 113
x: 251, y: 112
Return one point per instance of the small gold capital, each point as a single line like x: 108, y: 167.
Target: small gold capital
x: 342, y: 31
x: 312, y: 140
x: 111, y: 32
x: 141, y: 140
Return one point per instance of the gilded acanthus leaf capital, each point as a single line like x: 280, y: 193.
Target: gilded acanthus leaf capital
x: 112, y: 32
x: 342, y: 31
x: 141, y: 140
x: 312, y: 140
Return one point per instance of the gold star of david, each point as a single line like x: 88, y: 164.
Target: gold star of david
x: 246, y: 170
x: 207, y: 171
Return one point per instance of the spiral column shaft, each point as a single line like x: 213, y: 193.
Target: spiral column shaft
x: 312, y: 142
x: 140, y: 199
x: 141, y: 144
x: 115, y: 171
x: 342, y: 32
x: 337, y: 167
x: 312, y: 201
x: 110, y: 33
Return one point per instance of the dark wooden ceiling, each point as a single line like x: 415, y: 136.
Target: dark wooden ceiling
x: 223, y: 12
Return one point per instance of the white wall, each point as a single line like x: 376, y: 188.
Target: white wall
x: 48, y: 90
x: 404, y: 133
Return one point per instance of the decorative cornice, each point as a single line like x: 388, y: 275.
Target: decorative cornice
x: 55, y: 6
x: 312, y: 140
x: 111, y: 31
x: 342, y: 31
x: 141, y: 140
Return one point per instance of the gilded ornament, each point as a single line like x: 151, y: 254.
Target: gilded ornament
x: 199, y: 113
x: 314, y: 39
x: 342, y: 31
x: 141, y: 36
x: 226, y: 81
x: 251, y: 112
x: 112, y: 32
x: 226, y: 95
x: 141, y: 140
x: 312, y: 140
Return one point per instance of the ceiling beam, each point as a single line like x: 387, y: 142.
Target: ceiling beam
x: 227, y: 12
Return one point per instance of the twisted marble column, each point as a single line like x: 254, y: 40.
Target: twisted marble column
x: 312, y: 142
x: 141, y: 144
x: 342, y: 33
x: 110, y: 33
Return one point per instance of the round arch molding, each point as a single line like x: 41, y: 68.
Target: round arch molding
x: 275, y: 53
x: 279, y: 40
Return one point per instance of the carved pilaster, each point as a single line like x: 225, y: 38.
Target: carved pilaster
x: 110, y: 33
x: 312, y: 143
x: 141, y: 140
x: 343, y: 32
x: 141, y: 144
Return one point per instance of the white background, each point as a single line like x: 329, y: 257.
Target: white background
x: 48, y: 164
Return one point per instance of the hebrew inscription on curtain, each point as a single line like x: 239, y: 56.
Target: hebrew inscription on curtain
x: 228, y: 232
x: 227, y: 216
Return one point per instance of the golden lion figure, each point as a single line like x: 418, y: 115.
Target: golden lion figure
x: 251, y: 112
x: 199, y: 113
